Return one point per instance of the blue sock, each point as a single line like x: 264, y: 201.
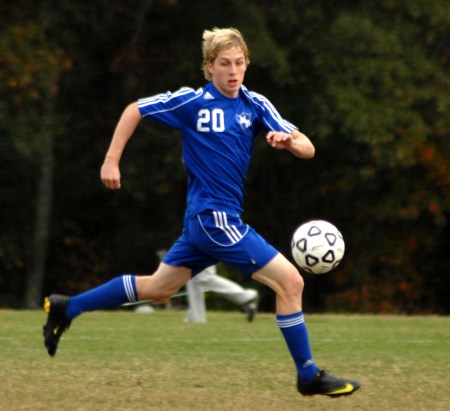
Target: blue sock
x: 119, y: 290
x: 295, y: 333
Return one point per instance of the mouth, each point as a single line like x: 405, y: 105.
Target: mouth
x: 233, y: 83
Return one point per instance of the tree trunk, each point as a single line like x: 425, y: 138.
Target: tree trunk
x: 39, y: 245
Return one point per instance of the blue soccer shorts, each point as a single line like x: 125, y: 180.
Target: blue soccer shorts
x: 214, y: 236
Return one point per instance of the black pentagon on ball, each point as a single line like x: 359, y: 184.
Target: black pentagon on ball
x: 331, y: 238
x: 301, y: 245
x: 311, y: 260
x: 314, y: 230
x: 328, y: 257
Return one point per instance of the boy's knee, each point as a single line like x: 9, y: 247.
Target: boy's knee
x: 295, y: 284
x: 292, y: 286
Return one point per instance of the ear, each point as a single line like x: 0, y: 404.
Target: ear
x: 210, y: 67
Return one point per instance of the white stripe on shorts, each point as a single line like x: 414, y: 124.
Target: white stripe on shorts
x: 233, y: 234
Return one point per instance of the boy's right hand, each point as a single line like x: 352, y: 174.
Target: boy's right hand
x: 110, y: 175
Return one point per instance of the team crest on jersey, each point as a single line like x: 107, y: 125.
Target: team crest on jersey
x: 244, y: 119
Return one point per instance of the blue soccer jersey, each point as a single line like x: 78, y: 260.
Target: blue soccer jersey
x: 218, y: 136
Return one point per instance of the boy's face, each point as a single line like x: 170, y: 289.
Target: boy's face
x: 228, y: 70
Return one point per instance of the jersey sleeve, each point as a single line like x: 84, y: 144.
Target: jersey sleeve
x: 168, y: 108
x: 270, y: 118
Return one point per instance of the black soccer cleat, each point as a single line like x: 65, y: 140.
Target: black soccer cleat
x: 250, y: 314
x: 326, y: 384
x: 57, y: 321
x: 250, y: 309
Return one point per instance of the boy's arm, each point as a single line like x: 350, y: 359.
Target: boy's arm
x: 297, y: 143
x: 110, y: 173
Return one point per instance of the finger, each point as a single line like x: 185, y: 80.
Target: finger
x: 111, y: 184
x: 115, y: 184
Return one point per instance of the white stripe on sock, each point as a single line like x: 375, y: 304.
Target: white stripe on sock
x: 128, y: 286
x: 291, y: 322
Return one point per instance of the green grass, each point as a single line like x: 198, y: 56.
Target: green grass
x: 127, y: 361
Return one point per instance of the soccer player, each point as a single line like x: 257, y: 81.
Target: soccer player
x: 218, y: 124
x: 209, y: 280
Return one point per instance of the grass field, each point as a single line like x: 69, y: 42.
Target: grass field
x: 127, y: 361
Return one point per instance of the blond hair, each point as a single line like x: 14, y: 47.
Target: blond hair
x: 216, y: 40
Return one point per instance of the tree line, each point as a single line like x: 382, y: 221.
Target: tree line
x: 367, y: 81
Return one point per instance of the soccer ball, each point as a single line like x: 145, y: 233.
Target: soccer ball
x: 317, y: 247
